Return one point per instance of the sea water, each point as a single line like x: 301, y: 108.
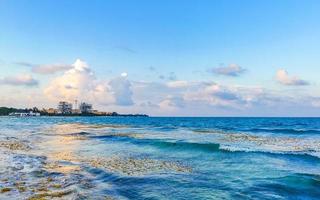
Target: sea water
x: 159, y: 158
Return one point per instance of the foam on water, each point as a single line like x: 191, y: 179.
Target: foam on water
x: 282, y: 144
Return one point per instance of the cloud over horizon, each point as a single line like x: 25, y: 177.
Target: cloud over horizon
x: 121, y: 88
x: 284, y: 78
x: 80, y: 83
x: 164, y: 97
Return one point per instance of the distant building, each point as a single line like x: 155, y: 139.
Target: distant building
x: 64, y: 107
x: 85, y: 107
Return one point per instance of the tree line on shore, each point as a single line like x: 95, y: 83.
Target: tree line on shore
x: 4, y: 111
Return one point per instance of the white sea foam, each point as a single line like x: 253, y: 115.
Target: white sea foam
x: 281, y: 145
x: 246, y: 142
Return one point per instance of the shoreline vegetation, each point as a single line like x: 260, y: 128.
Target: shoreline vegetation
x: 5, y: 111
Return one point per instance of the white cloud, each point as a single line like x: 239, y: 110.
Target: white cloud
x: 214, y: 94
x: 121, y: 88
x: 230, y: 70
x: 18, y: 80
x: 283, y: 77
x: 124, y: 74
x: 181, y: 94
x: 73, y: 84
x: 80, y: 65
x: 207, y: 98
x: 80, y: 83
x: 165, y: 97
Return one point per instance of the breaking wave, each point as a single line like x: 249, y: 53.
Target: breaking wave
x: 232, y: 142
x: 285, y: 130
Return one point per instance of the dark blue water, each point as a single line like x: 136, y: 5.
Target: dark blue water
x: 160, y: 158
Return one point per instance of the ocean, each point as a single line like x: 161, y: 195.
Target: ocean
x: 159, y: 158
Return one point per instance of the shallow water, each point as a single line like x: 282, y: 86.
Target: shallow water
x: 159, y: 158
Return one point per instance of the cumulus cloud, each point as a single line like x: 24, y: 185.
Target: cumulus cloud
x: 72, y: 84
x: 284, y: 78
x: 121, y: 89
x: 215, y: 95
x: 230, y: 70
x: 207, y: 98
x: 18, y: 80
x: 163, y: 98
x: 169, y: 96
x: 46, y: 68
x: 179, y: 95
x: 80, y: 83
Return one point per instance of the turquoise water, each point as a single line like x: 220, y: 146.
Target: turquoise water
x: 159, y: 158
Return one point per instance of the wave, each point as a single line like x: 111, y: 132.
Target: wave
x: 284, y: 130
x: 306, y: 154
x: 277, y: 146
x: 210, y: 131
x: 187, y: 145
x: 262, y: 130
x: 162, y: 144
x: 290, y: 185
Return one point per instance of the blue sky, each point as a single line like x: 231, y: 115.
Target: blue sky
x: 213, y: 49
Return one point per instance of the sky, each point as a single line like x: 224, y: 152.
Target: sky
x: 163, y: 57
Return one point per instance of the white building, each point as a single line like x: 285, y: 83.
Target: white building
x: 64, y: 107
x: 85, y: 107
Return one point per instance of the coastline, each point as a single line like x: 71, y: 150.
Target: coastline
x: 5, y: 111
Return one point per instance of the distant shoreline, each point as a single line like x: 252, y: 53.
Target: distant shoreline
x: 95, y: 115
x: 5, y: 111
